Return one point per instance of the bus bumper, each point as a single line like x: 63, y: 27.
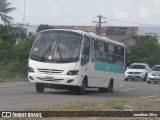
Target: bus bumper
x: 71, y: 80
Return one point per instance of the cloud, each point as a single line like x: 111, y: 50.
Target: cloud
x: 82, y: 12
x: 144, y: 13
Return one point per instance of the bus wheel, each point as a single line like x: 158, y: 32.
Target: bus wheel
x: 148, y: 82
x: 126, y: 79
x: 81, y: 89
x: 110, y: 86
x: 40, y: 87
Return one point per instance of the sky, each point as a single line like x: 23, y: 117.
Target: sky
x: 84, y: 12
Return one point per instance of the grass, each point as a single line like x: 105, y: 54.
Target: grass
x: 134, y: 104
x: 18, y: 79
x: 131, y: 104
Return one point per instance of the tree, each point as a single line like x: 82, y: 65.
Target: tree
x: 4, y: 10
x: 14, y: 59
x: 9, y: 33
x: 146, y: 50
x: 40, y: 28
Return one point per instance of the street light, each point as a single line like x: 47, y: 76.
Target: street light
x: 24, y: 14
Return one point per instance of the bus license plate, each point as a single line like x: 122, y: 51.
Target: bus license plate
x: 49, y: 78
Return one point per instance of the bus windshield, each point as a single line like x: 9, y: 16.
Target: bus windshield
x: 57, y: 46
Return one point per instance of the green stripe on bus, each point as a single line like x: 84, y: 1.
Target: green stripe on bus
x: 108, y: 67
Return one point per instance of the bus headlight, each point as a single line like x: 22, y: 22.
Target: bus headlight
x: 73, y: 72
x: 30, y: 69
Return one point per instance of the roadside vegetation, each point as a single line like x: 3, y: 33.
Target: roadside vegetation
x: 131, y: 104
x: 121, y: 104
x: 13, y: 57
x: 146, y: 50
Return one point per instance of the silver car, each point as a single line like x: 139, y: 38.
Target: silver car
x: 154, y: 75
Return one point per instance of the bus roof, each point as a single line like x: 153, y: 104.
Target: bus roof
x: 92, y: 35
x: 105, y: 39
x: 77, y: 31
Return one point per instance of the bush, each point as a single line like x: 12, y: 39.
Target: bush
x: 15, y: 60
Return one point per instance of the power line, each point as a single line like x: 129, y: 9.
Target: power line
x: 98, y: 27
x: 132, y: 22
x: 140, y: 30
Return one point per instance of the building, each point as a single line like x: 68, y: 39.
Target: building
x: 117, y: 33
x: 83, y: 28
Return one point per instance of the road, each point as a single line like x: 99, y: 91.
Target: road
x: 22, y: 95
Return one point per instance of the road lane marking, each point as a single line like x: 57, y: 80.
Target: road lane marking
x: 127, y: 89
x: 150, y: 96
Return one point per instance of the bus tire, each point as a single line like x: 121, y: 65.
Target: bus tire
x: 110, y: 87
x: 126, y: 79
x: 81, y: 89
x: 40, y: 87
x: 148, y: 82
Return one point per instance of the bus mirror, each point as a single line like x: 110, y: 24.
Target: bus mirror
x: 126, y: 68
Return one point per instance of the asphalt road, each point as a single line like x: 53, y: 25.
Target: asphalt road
x: 20, y: 96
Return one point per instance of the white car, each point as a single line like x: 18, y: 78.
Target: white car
x: 154, y: 75
x: 137, y: 71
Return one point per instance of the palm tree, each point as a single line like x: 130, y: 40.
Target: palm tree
x: 4, y: 10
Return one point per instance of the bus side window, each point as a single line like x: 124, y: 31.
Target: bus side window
x: 85, y: 51
x: 111, y: 48
x: 119, y: 55
x: 100, y: 51
x: 110, y: 53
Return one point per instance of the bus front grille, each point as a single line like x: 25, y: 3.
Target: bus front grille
x: 50, y: 71
x: 44, y: 79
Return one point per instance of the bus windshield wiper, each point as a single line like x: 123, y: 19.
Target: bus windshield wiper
x: 45, y: 51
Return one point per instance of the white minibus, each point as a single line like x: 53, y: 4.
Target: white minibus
x: 75, y: 60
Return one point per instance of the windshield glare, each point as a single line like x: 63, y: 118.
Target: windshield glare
x: 57, y: 46
x: 137, y: 67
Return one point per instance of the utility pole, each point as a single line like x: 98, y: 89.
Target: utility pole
x: 20, y: 25
x: 98, y: 27
x: 24, y: 12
